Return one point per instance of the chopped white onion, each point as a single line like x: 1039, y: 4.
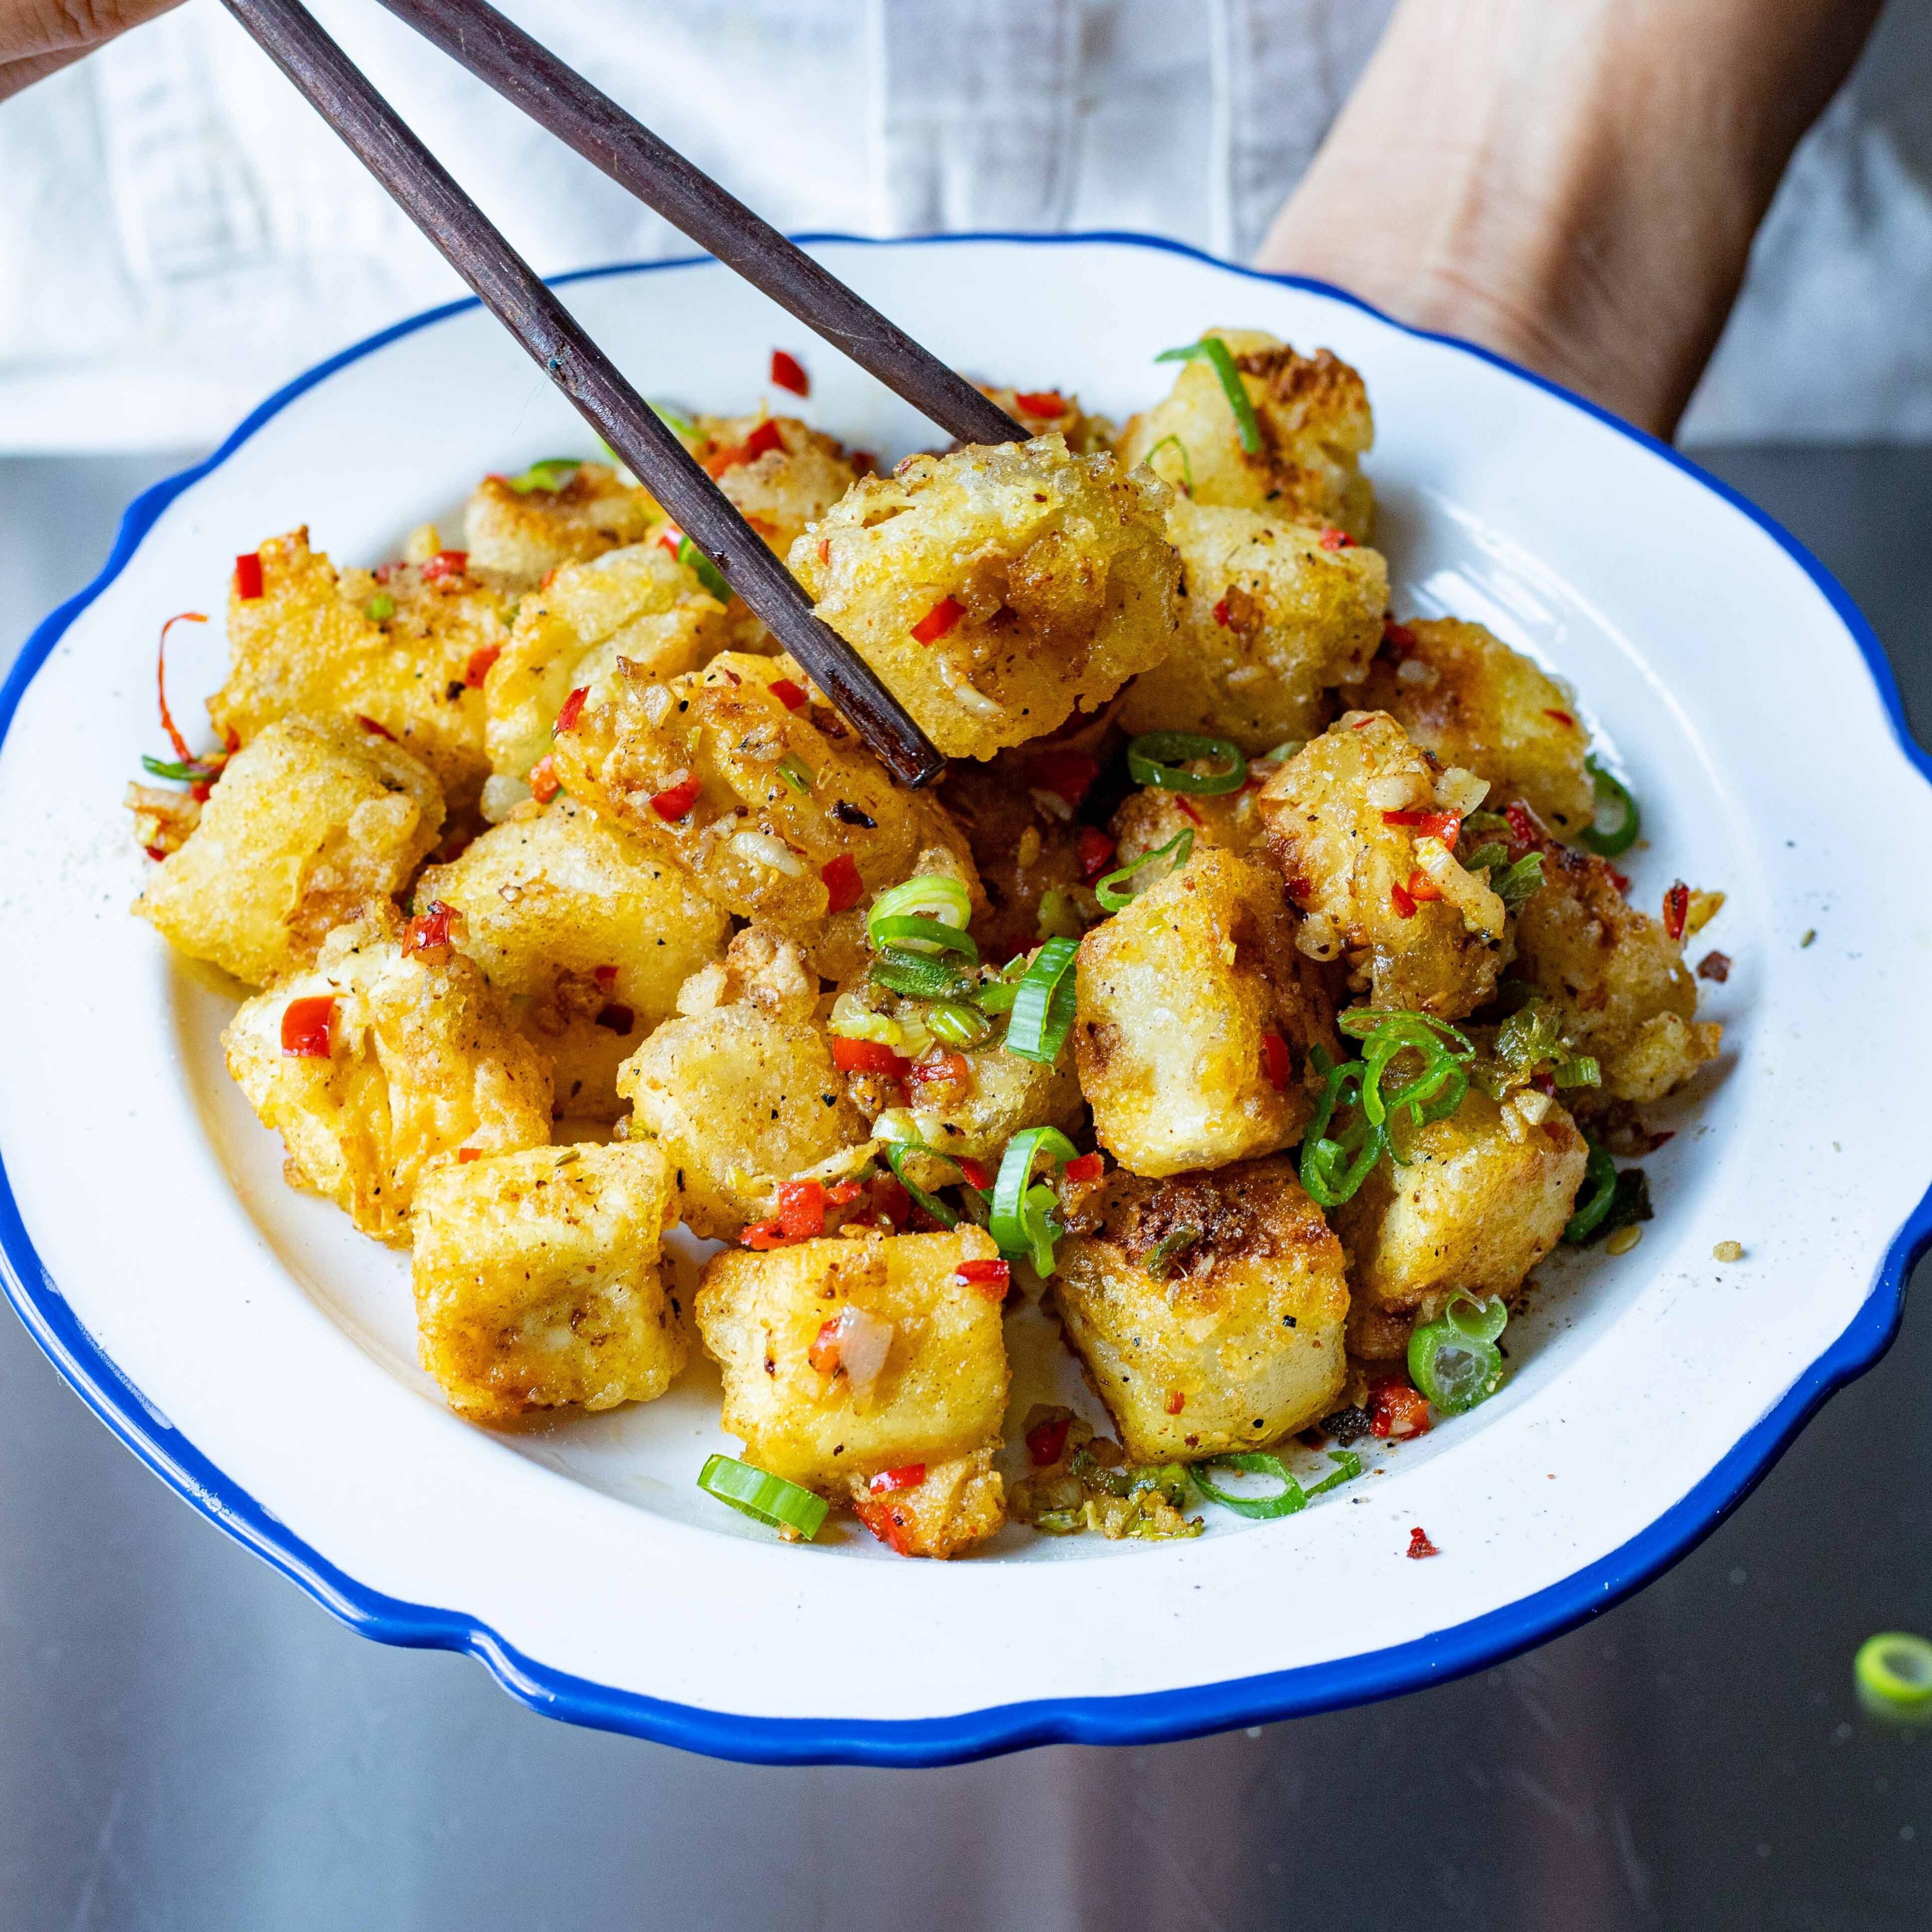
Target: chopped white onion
x: 975, y: 701
x: 759, y: 848
x: 1399, y: 791
x: 864, y: 1342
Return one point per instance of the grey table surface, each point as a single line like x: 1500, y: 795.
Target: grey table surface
x: 186, y: 1741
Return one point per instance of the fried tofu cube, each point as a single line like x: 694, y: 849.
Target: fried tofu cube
x: 639, y: 603
x: 311, y: 822
x: 1313, y: 412
x: 739, y: 1090
x: 1208, y: 1309
x: 763, y: 796
x: 1460, y: 692
x: 851, y: 1356
x: 1272, y: 616
x: 377, y: 1065
x: 309, y: 645
x: 585, y: 932
x: 520, y: 536
x: 1480, y: 1198
x: 781, y: 474
x: 1341, y: 816
x: 1180, y: 996
x: 953, y: 1505
x: 1617, y: 976
x: 538, y: 1282
x: 995, y: 590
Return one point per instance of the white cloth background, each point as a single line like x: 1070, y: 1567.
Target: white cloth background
x: 179, y: 233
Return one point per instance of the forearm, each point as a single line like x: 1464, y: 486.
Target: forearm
x: 39, y: 36
x: 1575, y: 183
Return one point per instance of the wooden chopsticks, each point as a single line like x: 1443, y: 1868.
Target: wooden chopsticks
x: 530, y: 77
x: 513, y: 292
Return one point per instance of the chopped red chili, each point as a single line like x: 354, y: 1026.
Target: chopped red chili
x: 975, y: 1175
x: 766, y: 437
x: 464, y: 1156
x: 1402, y: 900
x: 477, y: 668
x: 868, y: 1056
x: 428, y: 932
x: 374, y: 726
x: 1176, y: 1401
x: 1188, y: 809
x: 1676, y: 909
x: 938, y: 621
x: 545, y: 783
x: 573, y: 709
x: 1398, y: 636
x: 605, y: 975
x: 1068, y: 775
x: 1525, y: 834
x: 765, y: 1234
x: 617, y: 1018
x: 248, y: 576
x: 1087, y: 1167
x: 1274, y: 1060
x: 1419, y: 1544
x: 844, y: 1194
x: 674, y: 801
x: 1046, y: 1441
x: 1041, y: 402
x: 940, y: 1064
x: 1334, y: 539
x: 1096, y: 849
x: 1446, y: 825
x: 1422, y: 888
x: 1221, y: 613
x: 790, y: 695
x: 888, y: 1522
x: 992, y: 1278
x: 155, y: 853
x: 305, y: 1027
x: 908, y: 1477
x: 445, y: 563
x: 802, y: 1209
x: 174, y: 737
x: 823, y: 1354
x: 844, y: 887
x: 1561, y: 717
x: 788, y: 373
x: 1396, y: 1410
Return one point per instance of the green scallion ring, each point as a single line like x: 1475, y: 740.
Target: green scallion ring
x: 1454, y: 1369
x: 932, y: 895
x: 1614, y: 800
x: 908, y: 931
x: 1019, y: 1222
x: 1154, y: 758
x: 1107, y: 888
x: 1212, y: 349
x: 552, y: 473
x: 1893, y: 1671
x: 1347, y: 1467
x: 706, y: 572
x: 1043, y: 1004
x: 1482, y: 1320
x: 1290, y: 1500
x: 919, y: 976
x: 959, y: 1025
x: 1598, y: 1191
x: 896, y: 1154
x: 760, y: 1494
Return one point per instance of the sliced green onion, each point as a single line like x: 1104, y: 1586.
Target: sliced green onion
x: 1212, y: 349
x: 1359, y: 1022
x: 908, y: 932
x: 794, y: 773
x: 1894, y: 1673
x: 380, y: 608
x: 1289, y: 1500
x: 1617, y: 821
x: 1021, y: 1222
x: 1454, y: 1361
x: 1347, y: 1467
x: 190, y: 771
x: 1107, y: 890
x: 1579, y: 1069
x: 1187, y: 468
x: 1594, y: 1197
x: 996, y: 996
x: 1155, y: 758
x: 1517, y: 885
x: 758, y: 1493
x: 919, y: 976
x: 664, y: 413
x: 896, y: 1154
x: 959, y: 1025
x: 1043, y: 1004
x: 1333, y: 1169
x: 1486, y: 857
x: 553, y: 472
x: 1170, y: 1248
x: 932, y: 895
x: 706, y: 572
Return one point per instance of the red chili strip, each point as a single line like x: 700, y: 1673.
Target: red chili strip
x: 445, y: 563
x: 843, y: 885
x: 573, y: 709
x: 1676, y: 909
x: 1274, y: 1059
x: 1446, y: 825
x: 766, y: 437
x: 428, y: 932
x: 1334, y: 539
x: 937, y: 621
x: 868, y: 1056
x: 545, y: 783
x: 1088, y: 1167
x: 790, y: 695
x: 788, y: 373
x: 174, y: 737
x: 374, y: 726
x: 1046, y: 1441
x: 908, y: 1477
x: 477, y: 668
x: 1176, y: 1401
x: 1422, y: 888
x: 248, y: 576
x: 1068, y: 774
x: 1396, y: 1410
x: 674, y: 801
x: 1562, y: 718
x: 1097, y: 850
x: 992, y: 1278
x: 1041, y: 403
x: 1403, y: 902
x: 1221, y: 613
x: 305, y: 1027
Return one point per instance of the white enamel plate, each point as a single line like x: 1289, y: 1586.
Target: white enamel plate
x: 260, y: 1355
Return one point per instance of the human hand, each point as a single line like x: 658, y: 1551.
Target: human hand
x: 1575, y: 185
x: 38, y: 36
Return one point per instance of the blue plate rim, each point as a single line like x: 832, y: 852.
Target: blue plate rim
x: 1147, y: 1718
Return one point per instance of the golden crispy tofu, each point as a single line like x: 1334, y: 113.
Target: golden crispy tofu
x: 1272, y: 616
x: 1423, y: 933
x: 587, y: 932
x: 1208, y: 1309
x: 421, y: 1061
x: 1047, y: 411
x: 739, y: 1090
x: 1482, y: 1198
x: 1313, y: 412
x: 538, y: 1280
x: 782, y: 474
x: 995, y: 589
x: 767, y: 799
x: 308, y: 645
x: 1460, y: 692
x: 521, y: 535
x: 311, y: 822
x: 951, y: 1505
x: 1180, y: 996
x: 853, y: 1355
x: 1617, y: 977
x: 639, y: 603
x: 1153, y: 817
